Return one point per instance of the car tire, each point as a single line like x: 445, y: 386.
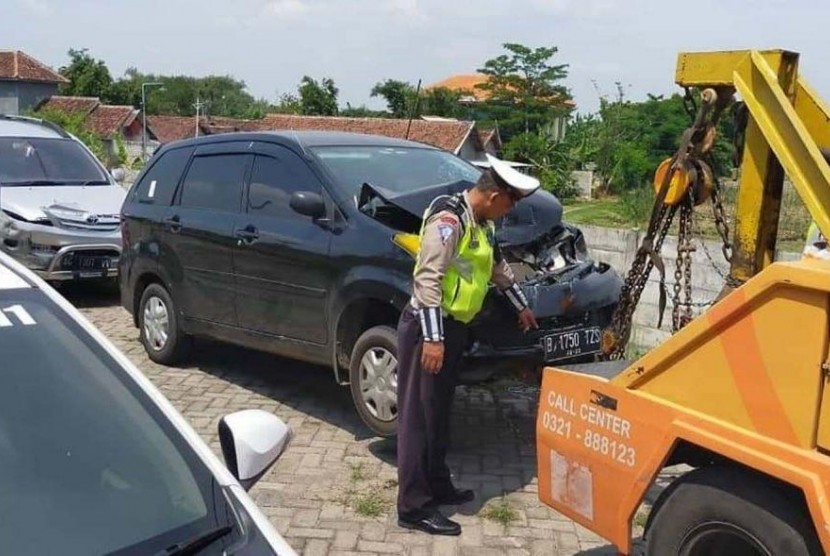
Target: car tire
x: 373, y: 379
x: 159, y: 327
x: 728, y: 511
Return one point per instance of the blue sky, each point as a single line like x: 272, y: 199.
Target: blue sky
x: 271, y: 44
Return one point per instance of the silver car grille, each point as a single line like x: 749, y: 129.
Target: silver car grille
x: 93, y: 223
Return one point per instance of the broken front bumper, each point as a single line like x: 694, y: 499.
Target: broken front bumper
x: 59, y: 254
x: 582, y: 299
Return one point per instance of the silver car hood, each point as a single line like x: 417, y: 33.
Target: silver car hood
x: 30, y: 202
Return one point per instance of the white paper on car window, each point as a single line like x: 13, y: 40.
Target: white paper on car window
x: 152, y: 192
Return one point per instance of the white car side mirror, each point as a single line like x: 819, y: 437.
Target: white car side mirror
x: 118, y: 174
x: 252, y: 440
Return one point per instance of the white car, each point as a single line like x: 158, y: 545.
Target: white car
x: 95, y: 460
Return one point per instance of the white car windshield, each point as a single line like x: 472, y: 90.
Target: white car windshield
x: 90, y: 464
x: 39, y: 161
x: 398, y: 169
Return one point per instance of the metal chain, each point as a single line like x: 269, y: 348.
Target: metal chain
x: 686, y: 250
x: 721, y: 222
x: 617, y: 336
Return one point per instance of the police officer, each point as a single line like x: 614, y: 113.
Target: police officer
x: 457, y: 260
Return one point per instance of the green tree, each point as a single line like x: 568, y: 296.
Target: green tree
x: 400, y: 97
x: 525, y: 89
x: 219, y: 95
x: 287, y: 104
x: 318, y: 99
x: 626, y: 141
x: 362, y: 112
x: 87, y: 77
x: 442, y: 102
x: 551, y: 160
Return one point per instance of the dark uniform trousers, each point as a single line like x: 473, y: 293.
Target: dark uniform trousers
x: 424, y: 402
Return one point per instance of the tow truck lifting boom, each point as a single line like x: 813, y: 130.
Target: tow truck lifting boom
x: 740, y: 393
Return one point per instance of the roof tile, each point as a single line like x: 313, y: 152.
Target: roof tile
x: 19, y: 66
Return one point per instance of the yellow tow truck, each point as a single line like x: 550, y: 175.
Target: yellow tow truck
x: 741, y: 393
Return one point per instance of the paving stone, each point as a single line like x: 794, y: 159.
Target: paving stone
x: 304, y: 494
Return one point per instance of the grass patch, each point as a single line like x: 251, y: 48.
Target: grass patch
x: 640, y: 519
x: 598, y: 212
x: 632, y: 209
x: 500, y: 512
x: 366, y: 499
x: 370, y: 504
x: 357, y: 472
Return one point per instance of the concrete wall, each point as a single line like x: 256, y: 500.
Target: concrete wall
x: 584, y: 181
x: 8, y: 98
x: 618, y: 248
x: 18, y: 96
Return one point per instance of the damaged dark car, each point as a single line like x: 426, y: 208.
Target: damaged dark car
x: 302, y: 244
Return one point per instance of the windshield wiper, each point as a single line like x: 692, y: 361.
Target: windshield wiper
x: 197, y: 543
x: 94, y: 182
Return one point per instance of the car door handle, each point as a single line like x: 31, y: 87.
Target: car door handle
x: 246, y: 235
x: 173, y: 224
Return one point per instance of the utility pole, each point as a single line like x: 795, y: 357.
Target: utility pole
x: 144, y: 117
x: 198, y: 106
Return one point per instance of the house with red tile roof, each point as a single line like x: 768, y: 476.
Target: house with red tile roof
x: 109, y: 122
x: 470, y: 86
x: 456, y: 136
x: 25, y: 82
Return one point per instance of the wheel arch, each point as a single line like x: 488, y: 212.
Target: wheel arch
x: 698, y: 457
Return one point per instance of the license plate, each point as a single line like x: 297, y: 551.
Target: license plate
x: 87, y: 263
x: 572, y: 343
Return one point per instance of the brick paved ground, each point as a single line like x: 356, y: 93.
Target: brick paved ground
x: 335, y: 472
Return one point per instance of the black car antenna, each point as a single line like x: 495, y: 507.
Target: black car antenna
x: 414, y: 108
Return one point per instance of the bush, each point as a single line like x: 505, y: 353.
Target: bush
x: 636, y: 205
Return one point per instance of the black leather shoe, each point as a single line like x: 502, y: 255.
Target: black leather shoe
x: 433, y: 523
x: 456, y: 497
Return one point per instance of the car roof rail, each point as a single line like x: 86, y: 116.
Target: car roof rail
x: 45, y: 123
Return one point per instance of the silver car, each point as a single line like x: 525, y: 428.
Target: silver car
x: 59, y: 207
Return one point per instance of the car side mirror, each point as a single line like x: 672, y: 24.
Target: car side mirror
x: 252, y: 441
x: 118, y: 174
x: 308, y: 203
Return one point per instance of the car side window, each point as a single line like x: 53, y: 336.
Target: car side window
x: 158, y: 185
x: 215, y: 182
x: 274, y: 178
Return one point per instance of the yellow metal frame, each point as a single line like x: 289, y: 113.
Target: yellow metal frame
x: 788, y: 123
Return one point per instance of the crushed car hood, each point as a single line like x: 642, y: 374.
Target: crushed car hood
x: 530, y: 219
x: 30, y: 202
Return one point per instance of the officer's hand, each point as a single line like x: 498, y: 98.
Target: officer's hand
x: 527, y: 320
x: 432, y: 357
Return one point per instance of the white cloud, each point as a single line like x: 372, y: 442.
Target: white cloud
x: 406, y: 8
x: 287, y: 8
x: 39, y: 8
x: 585, y: 9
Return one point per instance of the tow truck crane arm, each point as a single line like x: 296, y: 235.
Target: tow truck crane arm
x: 739, y: 393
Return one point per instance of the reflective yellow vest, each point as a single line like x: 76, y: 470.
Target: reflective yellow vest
x: 467, y: 278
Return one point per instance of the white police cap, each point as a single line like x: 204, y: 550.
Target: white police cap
x: 523, y: 184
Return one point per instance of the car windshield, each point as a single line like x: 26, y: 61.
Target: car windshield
x: 90, y: 464
x: 398, y: 169
x: 39, y: 161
